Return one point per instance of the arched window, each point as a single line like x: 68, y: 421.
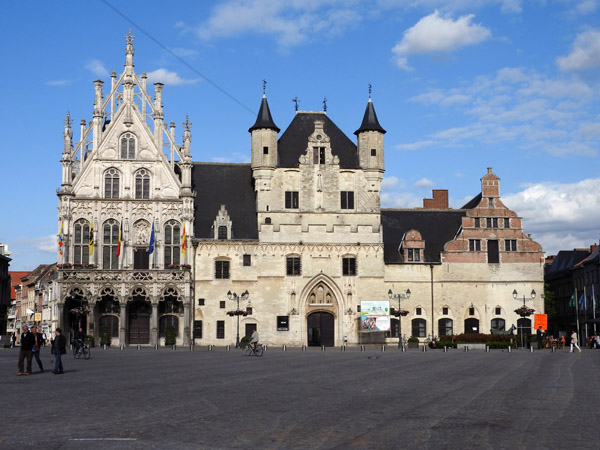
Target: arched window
x: 498, y: 324
x: 81, y: 247
x: 110, y: 241
x: 419, y: 328
x: 445, y: 327
x: 172, y: 243
x: 142, y: 184
x: 111, y: 183
x: 128, y: 146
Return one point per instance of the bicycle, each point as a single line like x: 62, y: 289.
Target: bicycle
x: 83, y: 350
x: 251, y: 350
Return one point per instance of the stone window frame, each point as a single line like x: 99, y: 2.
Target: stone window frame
x: 110, y: 242
x: 222, y: 269
x: 292, y: 200
x: 127, y: 138
x: 142, y: 191
x: 81, y: 246
x: 510, y: 245
x: 474, y: 245
x: 112, y: 181
x: 293, y: 265
x: 349, y: 266
x: 347, y: 200
x: 172, y: 243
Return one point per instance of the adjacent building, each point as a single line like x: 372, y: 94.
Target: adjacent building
x: 292, y: 244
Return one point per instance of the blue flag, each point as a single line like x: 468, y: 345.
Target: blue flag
x: 151, y: 246
x: 582, y: 301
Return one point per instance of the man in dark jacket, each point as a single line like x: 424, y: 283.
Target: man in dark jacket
x: 59, y: 348
x: 27, y: 343
x: 38, y: 344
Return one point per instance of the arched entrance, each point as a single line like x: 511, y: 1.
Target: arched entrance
x: 75, y: 313
x: 138, y: 317
x: 320, y: 329
x: 471, y: 325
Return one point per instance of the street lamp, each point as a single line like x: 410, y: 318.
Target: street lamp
x: 400, y: 313
x: 233, y: 296
x: 524, y: 311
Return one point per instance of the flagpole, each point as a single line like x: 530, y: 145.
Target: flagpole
x: 585, y: 313
x: 577, y: 312
x: 594, y: 307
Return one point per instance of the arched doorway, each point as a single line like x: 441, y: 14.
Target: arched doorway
x: 471, y: 325
x: 320, y: 329
x: 138, y: 319
x: 523, y: 330
x: 75, y: 313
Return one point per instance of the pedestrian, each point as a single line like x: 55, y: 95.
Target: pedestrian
x: 27, y: 343
x: 39, y: 343
x: 574, y: 341
x: 59, y: 348
x: 540, y: 337
x: 13, y: 339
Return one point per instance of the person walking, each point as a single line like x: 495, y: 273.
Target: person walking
x: 13, y: 339
x: 59, y: 348
x: 27, y: 343
x: 540, y: 337
x: 574, y: 341
x: 39, y: 343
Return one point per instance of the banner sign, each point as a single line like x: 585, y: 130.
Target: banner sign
x: 540, y: 320
x: 374, y: 315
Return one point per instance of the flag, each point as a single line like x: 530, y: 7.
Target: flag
x: 120, y: 240
x: 572, y: 300
x: 91, y: 240
x: 582, y: 301
x: 151, y: 245
x: 184, y: 242
x: 61, y: 239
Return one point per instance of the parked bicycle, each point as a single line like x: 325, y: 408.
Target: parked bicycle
x: 250, y: 350
x: 82, y: 350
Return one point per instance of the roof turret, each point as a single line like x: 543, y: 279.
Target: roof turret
x: 370, y: 122
x: 264, y: 119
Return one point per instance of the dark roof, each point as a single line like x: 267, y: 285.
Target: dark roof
x: 294, y: 141
x: 224, y: 184
x: 436, y: 227
x: 370, y: 122
x: 473, y: 202
x: 264, y: 119
x: 565, y: 261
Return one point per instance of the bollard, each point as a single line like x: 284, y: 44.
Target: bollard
x: 487, y: 348
x: 210, y: 348
x: 228, y: 347
x: 303, y: 347
x: 509, y: 349
x: 383, y: 348
x: 403, y: 348
x: 362, y: 348
x: 445, y: 349
x: 322, y: 348
x: 283, y: 348
x: 122, y: 346
x: 104, y: 346
x: 553, y: 349
x: 173, y: 347
x: 191, y: 347
x: 424, y: 348
x: 466, y: 349
x: 531, y: 349
x: 155, y: 346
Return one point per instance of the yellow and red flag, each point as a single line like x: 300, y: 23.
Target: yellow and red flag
x: 91, y: 239
x: 184, y: 243
x: 61, y: 238
x: 120, y: 240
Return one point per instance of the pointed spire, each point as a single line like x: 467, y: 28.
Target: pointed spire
x: 370, y: 122
x: 264, y: 119
x: 129, y: 49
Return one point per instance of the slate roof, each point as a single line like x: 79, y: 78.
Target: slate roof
x: 231, y: 185
x: 565, y: 261
x: 294, y: 140
x: 436, y: 227
x: 370, y: 122
x: 264, y: 118
x: 473, y: 202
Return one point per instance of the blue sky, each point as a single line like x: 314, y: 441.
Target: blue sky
x: 458, y: 85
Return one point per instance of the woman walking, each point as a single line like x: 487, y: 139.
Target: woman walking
x: 574, y: 341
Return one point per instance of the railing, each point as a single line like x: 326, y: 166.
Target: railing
x: 131, y: 275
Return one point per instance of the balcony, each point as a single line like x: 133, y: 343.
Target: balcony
x: 81, y: 275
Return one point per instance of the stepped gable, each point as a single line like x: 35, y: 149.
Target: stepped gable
x: 219, y: 184
x: 436, y: 228
x: 294, y: 141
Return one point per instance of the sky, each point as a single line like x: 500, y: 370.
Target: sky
x: 459, y: 86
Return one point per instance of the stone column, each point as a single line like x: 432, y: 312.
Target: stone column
x: 91, y: 325
x: 186, y: 324
x: 61, y: 315
x: 122, y: 323
x: 154, y: 324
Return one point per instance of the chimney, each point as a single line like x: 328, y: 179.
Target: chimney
x: 439, y: 200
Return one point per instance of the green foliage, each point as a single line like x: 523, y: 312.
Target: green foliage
x: 245, y: 339
x: 413, y: 339
x: 105, y: 337
x: 445, y: 343
x: 170, y: 335
x: 89, y: 339
x: 480, y: 338
x: 499, y: 344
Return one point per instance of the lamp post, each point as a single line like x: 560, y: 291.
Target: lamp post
x: 400, y: 313
x: 523, y: 311
x: 233, y: 296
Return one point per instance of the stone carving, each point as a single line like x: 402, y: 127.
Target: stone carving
x: 140, y: 209
x: 141, y: 232
x: 81, y: 209
x: 112, y: 210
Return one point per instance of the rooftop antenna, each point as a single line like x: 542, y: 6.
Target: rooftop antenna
x: 325, y: 104
x: 296, y: 101
x: 264, y: 87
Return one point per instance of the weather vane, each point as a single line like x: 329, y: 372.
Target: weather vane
x: 264, y: 86
x: 325, y: 104
x: 370, y: 89
x: 296, y: 101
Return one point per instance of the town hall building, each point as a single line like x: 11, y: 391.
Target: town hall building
x: 293, y: 244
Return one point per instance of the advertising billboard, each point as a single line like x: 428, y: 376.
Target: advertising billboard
x: 374, y: 315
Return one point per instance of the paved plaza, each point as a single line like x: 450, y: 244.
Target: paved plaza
x: 181, y: 399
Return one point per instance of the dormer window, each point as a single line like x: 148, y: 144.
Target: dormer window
x: 413, y: 254
x: 128, y: 146
x: 319, y: 155
x: 222, y: 225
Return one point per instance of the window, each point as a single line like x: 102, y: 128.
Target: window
x: 283, y: 323
x: 222, y: 304
x: 197, y: 329
x: 510, y: 245
x: 498, y: 311
x: 349, y: 266
x: 318, y: 155
x: 249, y: 310
x: 166, y: 322
x: 471, y: 311
x: 474, y: 245
x: 220, y: 329
x: 110, y: 242
x: 493, y: 253
x: 498, y: 324
x: 222, y: 270
x: 247, y: 260
x: 418, y: 311
x: 471, y: 325
x: 373, y: 152
x: 347, y: 199
x: 111, y: 183
x: 265, y: 150
x: 477, y: 224
x: 506, y: 222
x: 492, y: 222
x: 222, y: 232
x: 293, y: 265
x: 419, y: 327
x: 445, y: 310
x: 127, y: 146
x: 491, y: 202
x: 142, y: 184
x: 291, y: 199
x: 81, y: 244
x: 414, y: 254
x: 201, y: 302
x: 445, y: 327
x: 394, y: 328
x: 172, y: 243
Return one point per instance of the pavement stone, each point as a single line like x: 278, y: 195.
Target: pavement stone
x: 182, y: 399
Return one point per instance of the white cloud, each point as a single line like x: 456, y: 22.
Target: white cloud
x: 424, y: 182
x: 559, y: 216
x: 416, y: 145
x: 400, y: 200
x: 585, y: 53
x: 390, y: 183
x: 58, y: 83
x: 170, y: 78
x: 506, y: 6
x: 234, y: 158
x: 434, y: 34
x: 584, y: 7
x: 184, y: 52
x: 46, y: 244
x: 97, y: 68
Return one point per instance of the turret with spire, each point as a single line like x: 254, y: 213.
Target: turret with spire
x: 370, y: 146
x: 264, y: 145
